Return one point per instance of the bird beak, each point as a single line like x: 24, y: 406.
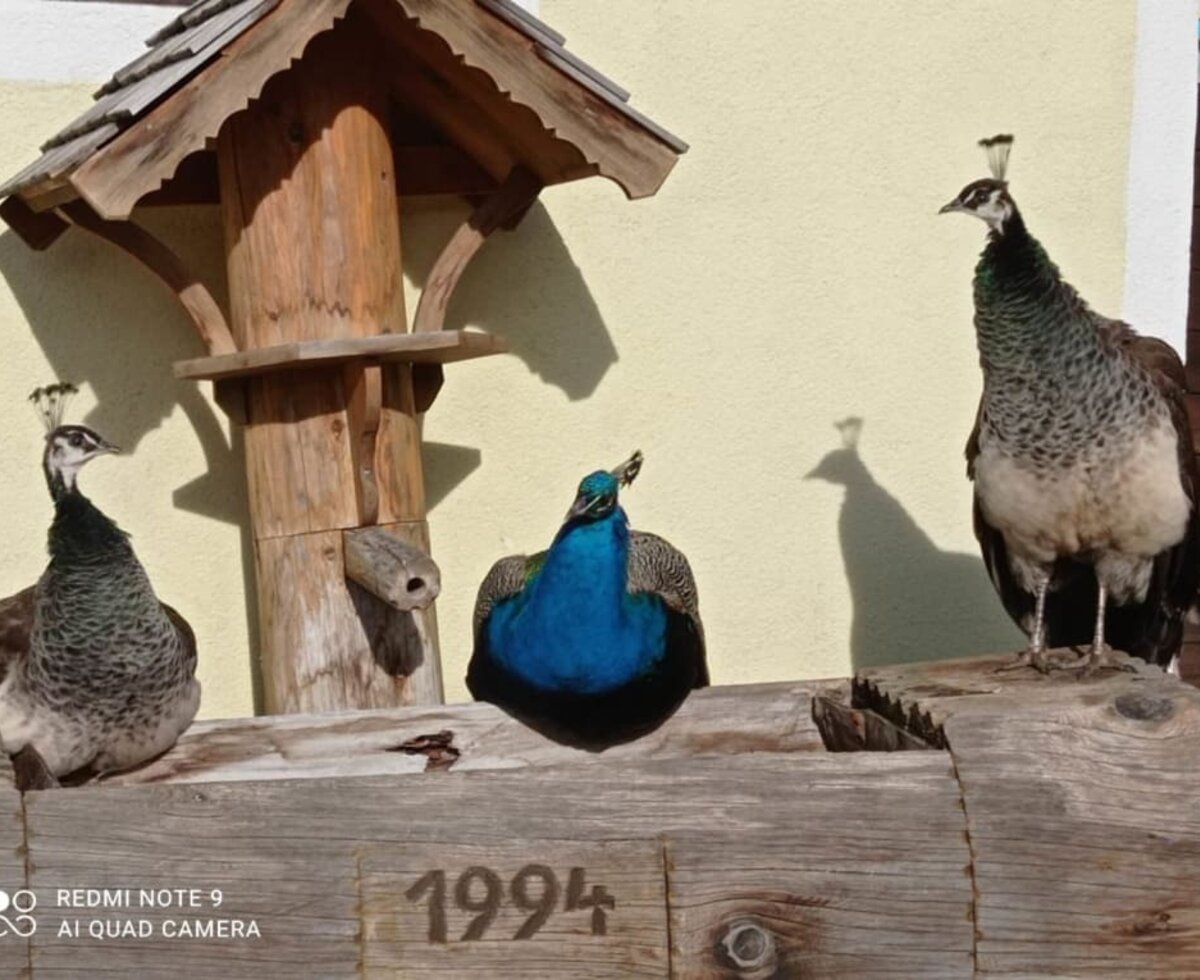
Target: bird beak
x: 107, y: 447
x: 952, y: 206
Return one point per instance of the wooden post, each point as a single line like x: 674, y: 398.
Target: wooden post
x: 308, y: 194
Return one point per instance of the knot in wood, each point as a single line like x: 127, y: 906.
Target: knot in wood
x: 1143, y: 707
x: 748, y: 945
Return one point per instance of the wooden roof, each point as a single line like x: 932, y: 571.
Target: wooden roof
x: 216, y: 55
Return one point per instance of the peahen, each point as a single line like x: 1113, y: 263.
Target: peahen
x: 98, y: 674
x: 598, y: 639
x: 1081, y: 455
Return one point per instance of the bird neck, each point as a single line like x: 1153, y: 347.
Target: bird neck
x: 575, y: 628
x: 595, y: 553
x: 81, y: 534
x: 1027, y: 319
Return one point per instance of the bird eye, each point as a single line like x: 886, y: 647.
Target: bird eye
x: 76, y: 439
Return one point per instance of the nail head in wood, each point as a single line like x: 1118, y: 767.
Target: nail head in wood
x: 748, y: 946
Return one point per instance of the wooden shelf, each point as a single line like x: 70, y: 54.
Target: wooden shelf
x: 434, y: 347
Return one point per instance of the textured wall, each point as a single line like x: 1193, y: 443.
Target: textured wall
x: 791, y: 273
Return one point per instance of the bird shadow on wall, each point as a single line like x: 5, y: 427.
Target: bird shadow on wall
x: 85, y: 303
x: 911, y: 600
x: 523, y: 285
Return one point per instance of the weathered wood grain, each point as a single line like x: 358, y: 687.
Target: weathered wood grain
x: 825, y: 853
x: 335, y: 446
x: 14, y: 926
x: 726, y: 721
x: 404, y: 924
x: 1082, y: 799
x: 391, y: 568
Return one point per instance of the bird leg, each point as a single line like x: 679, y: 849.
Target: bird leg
x: 1095, y: 658
x: 1034, y: 655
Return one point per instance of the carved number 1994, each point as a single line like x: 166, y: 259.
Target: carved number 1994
x: 534, y: 889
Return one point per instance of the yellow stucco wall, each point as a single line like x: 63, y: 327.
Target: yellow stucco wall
x: 790, y: 273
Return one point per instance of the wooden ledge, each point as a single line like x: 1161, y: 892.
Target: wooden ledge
x: 439, y: 347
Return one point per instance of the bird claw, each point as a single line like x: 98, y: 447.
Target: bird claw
x: 1039, y: 660
x: 1093, y: 660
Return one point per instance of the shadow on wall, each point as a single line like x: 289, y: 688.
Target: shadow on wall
x: 912, y: 601
x: 84, y: 302
x: 524, y: 285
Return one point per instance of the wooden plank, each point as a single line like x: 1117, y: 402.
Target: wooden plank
x: 442, y: 347
x: 727, y: 720
x: 1080, y: 798
x: 22, y: 912
x: 853, y: 865
x: 530, y: 914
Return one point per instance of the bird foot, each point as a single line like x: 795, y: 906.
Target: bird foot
x: 1039, y: 659
x: 1094, y: 660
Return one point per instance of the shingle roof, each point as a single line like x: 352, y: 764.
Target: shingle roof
x: 201, y: 32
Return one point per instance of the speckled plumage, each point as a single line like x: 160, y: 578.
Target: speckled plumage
x: 102, y: 674
x: 595, y: 641
x: 1081, y: 455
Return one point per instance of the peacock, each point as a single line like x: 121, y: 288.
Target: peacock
x: 1081, y: 455
x: 598, y: 639
x: 98, y: 674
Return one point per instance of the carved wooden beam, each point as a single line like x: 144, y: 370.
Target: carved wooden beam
x: 193, y: 295
x: 510, y: 200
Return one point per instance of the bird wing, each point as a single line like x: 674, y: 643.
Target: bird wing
x: 16, y: 626
x: 657, y: 567
x: 184, y: 628
x: 1175, y: 576
x: 505, y: 578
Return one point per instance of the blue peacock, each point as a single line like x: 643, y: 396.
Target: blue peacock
x: 598, y: 639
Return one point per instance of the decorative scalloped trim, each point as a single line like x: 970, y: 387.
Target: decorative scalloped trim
x: 463, y: 58
x: 161, y: 172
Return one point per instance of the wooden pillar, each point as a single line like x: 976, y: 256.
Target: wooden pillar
x: 312, y: 231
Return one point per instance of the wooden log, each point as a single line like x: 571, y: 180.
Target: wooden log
x: 850, y: 865
x: 387, y: 566
x: 1080, y: 801
x: 726, y: 721
x: 313, y: 253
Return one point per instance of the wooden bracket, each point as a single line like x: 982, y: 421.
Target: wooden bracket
x: 501, y: 209
x: 192, y: 294
x: 37, y: 229
x: 390, y: 568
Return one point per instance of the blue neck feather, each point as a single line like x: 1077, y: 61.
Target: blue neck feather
x: 575, y: 628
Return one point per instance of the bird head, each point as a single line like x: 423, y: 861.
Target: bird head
x: 988, y: 198
x: 597, y: 494
x: 68, y: 447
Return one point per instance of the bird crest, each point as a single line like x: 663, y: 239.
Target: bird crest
x: 51, y: 401
x: 998, y: 149
x: 627, y: 471
x: 851, y: 429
